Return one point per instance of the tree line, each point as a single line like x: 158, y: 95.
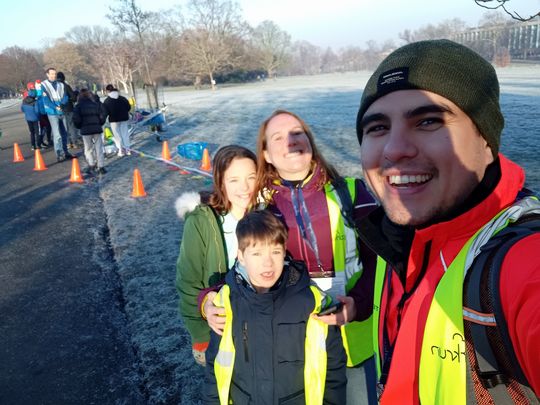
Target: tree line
x: 206, y: 43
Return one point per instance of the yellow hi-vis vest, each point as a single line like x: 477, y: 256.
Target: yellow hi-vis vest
x: 315, y: 352
x: 356, y: 335
x: 443, y: 362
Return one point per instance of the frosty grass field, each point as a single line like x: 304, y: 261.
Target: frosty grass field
x: 145, y: 233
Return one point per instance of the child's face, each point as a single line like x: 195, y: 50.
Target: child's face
x: 264, y: 264
x: 239, y: 182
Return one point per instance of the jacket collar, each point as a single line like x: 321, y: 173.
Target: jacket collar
x: 310, y: 182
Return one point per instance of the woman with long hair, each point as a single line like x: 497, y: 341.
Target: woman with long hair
x: 209, y: 246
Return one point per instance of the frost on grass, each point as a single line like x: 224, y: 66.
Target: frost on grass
x: 145, y: 233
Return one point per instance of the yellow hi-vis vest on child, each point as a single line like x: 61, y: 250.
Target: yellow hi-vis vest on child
x: 315, y: 352
x: 443, y: 362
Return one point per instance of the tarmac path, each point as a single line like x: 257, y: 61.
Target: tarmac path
x: 63, y: 330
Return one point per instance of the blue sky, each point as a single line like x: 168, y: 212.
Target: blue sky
x: 337, y: 23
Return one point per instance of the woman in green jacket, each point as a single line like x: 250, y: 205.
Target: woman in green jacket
x: 208, y: 248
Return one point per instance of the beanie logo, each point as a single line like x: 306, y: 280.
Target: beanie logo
x: 393, y: 78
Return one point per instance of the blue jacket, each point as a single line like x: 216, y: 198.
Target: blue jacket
x: 30, y: 109
x: 41, y: 106
x: 269, y: 331
x: 49, y: 103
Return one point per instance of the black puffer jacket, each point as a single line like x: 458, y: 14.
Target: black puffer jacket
x: 117, y: 108
x: 89, y: 116
x: 72, y: 98
x: 269, y: 332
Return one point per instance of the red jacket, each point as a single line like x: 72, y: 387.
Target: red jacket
x: 520, y: 290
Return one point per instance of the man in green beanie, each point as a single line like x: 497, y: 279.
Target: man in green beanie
x: 450, y: 330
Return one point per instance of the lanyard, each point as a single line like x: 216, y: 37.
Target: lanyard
x: 303, y: 221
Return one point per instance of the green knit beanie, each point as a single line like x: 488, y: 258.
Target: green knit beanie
x: 445, y: 68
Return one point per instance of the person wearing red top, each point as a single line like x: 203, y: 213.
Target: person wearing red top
x: 429, y: 125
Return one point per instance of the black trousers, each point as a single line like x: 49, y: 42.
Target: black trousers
x: 45, y: 128
x: 35, y: 136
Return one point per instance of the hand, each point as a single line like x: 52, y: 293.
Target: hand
x: 345, y: 315
x: 214, y: 315
x: 199, y: 356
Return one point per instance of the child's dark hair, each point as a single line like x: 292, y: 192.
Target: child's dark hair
x: 222, y: 160
x: 260, y: 226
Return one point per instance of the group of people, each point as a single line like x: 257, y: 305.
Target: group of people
x: 299, y: 287
x: 48, y: 110
x: 54, y: 110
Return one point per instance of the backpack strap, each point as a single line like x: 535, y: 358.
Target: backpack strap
x: 495, y: 362
x: 362, y: 205
x: 342, y: 190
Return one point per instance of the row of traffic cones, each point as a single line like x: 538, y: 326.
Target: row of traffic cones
x: 18, y: 157
x: 76, y: 177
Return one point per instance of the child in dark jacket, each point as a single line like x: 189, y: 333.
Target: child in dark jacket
x: 273, y: 348
x: 89, y: 117
x: 30, y: 109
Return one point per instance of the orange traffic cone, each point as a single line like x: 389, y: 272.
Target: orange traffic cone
x: 138, y: 187
x: 165, y: 153
x: 39, y: 165
x: 205, y: 163
x: 75, y: 172
x: 17, y: 155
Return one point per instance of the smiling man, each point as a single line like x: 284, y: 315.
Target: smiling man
x: 429, y: 126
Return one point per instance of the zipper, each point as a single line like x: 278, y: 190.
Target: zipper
x: 407, y: 294
x: 245, y: 339
x: 388, y: 348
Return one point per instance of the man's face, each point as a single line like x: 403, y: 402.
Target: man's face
x: 51, y: 75
x: 421, y: 155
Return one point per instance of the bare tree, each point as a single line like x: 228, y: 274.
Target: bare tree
x: 271, y: 44
x: 445, y: 29
x: 67, y: 58
x: 164, y: 44
x: 329, y: 61
x: 96, y: 44
x: 493, y: 37
x: 213, y: 38
x: 130, y: 18
x: 374, y: 54
x: 305, y: 59
x: 352, y: 59
x: 18, y: 66
x: 503, y: 4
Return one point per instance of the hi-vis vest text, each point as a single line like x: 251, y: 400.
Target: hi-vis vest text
x: 315, y: 352
x: 348, y: 269
x: 443, y: 361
